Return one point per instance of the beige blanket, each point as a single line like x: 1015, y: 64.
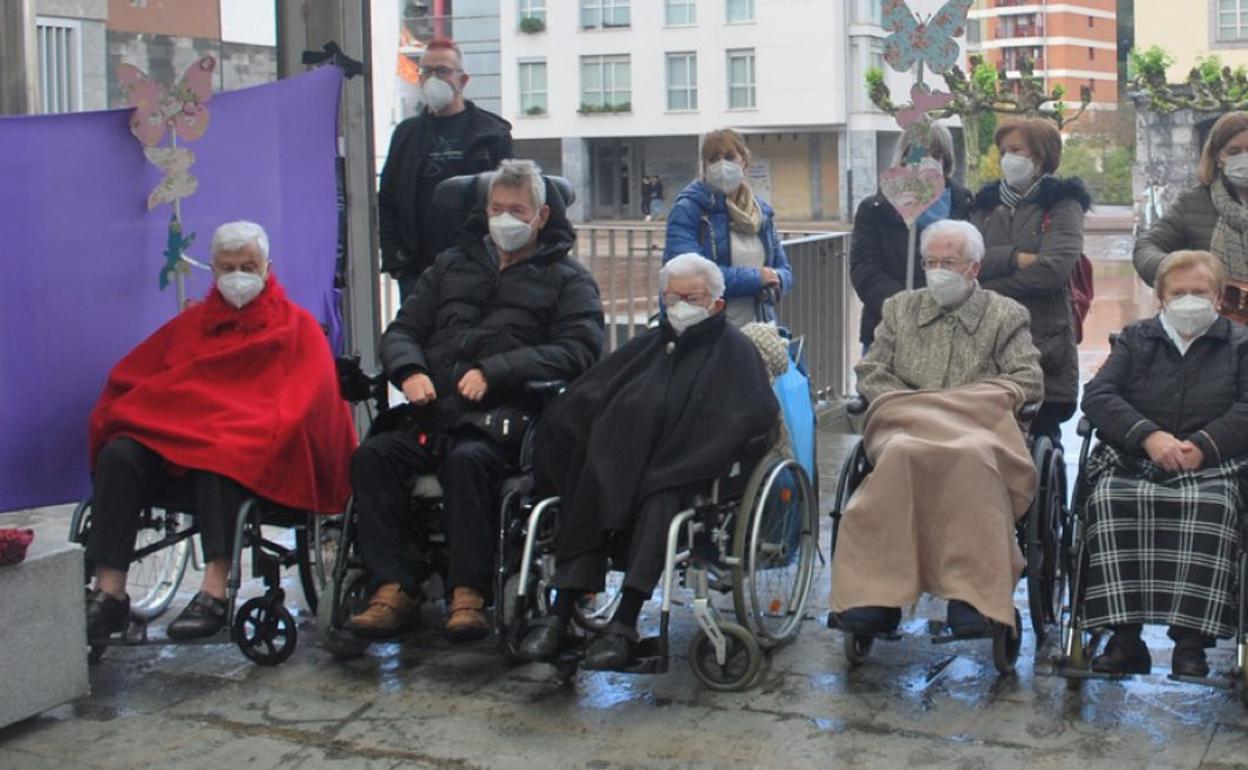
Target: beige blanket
x: 952, y: 476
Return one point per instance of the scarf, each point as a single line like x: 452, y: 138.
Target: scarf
x: 938, y: 210
x: 1230, y: 236
x: 744, y: 213
x: 1011, y: 198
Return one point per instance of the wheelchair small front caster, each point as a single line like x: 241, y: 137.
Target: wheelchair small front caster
x: 857, y: 647
x: 265, y: 631
x: 742, y: 662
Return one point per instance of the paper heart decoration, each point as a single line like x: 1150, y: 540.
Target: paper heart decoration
x: 913, y: 189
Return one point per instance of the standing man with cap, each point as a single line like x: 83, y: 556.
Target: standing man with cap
x: 451, y: 136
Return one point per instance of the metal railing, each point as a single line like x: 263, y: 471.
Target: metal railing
x: 625, y: 261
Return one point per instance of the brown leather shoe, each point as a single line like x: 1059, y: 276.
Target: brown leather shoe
x: 389, y: 611
x: 467, y: 620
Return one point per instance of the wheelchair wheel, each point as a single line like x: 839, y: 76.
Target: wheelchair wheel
x: 1044, y: 537
x: 593, y: 613
x: 153, y: 580
x: 265, y: 630
x: 350, y: 598
x: 1006, y: 644
x: 856, y: 647
x: 774, y: 550
x: 742, y: 661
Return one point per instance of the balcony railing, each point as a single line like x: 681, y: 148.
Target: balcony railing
x: 1005, y: 32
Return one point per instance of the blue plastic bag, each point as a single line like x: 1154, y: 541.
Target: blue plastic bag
x: 793, y: 392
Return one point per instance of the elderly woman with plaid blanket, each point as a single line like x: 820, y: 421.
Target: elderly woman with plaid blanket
x: 1171, y: 407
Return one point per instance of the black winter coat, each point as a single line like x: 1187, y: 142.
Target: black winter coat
x: 540, y: 319
x: 662, y: 412
x: 877, y: 253
x: 1146, y: 385
x: 404, y: 248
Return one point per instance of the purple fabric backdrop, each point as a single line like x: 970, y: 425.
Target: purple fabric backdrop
x: 81, y: 254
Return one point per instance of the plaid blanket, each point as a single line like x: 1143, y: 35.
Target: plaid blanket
x: 1162, y: 547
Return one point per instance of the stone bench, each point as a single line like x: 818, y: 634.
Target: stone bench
x: 43, y: 655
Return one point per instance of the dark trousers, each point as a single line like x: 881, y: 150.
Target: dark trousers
x: 1049, y: 419
x: 644, y: 551
x: 1176, y: 633
x: 471, y: 473
x: 407, y: 283
x: 128, y: 477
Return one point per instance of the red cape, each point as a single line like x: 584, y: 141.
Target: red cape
x: 250, y: 394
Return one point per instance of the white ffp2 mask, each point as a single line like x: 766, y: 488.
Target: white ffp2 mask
x: 948, y: 288
x: 683, y: 315
x: 1018, y: 170
x: 239, y: 288
x: 725, y: 176
x: 437, y: 94
x: 1191, y: 316
x: 508, y: 233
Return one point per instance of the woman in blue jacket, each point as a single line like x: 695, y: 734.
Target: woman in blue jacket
x: 720, y: 218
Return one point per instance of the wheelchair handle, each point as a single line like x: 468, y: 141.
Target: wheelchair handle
x: 856, y: 405
x: 545, y: 388
x: 1029, y: 410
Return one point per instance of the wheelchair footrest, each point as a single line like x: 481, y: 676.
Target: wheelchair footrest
x: 1071, y: 672
x: 1209, y: 681
x: 945, y: 637
x: 137, y: 636
x: 652, y: 665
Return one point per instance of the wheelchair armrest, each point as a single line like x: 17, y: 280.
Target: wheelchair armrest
x: 1085, y: 427
x: 856, y: 405
x: 1029, y: 410
x: 545, y: 387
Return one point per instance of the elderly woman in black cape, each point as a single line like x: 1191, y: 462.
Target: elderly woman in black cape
x: 635, y: 438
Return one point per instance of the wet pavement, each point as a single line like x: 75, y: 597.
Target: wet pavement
x: 422, y: 703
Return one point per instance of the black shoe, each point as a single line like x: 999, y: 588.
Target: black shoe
x: 1124, y: 654
x: 204, y: 616
x: 544, y: 640
x: 965, y: 620
x: 1189, y: 660
x: 869, y: 621
x: 614, y: 649
x: 105, y: 615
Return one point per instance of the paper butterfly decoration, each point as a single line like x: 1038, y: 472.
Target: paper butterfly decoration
x: 928, y: 42
x: 176, y: 183
x: 159, y: 108
x: 913, y: 189
x: 922, y: 101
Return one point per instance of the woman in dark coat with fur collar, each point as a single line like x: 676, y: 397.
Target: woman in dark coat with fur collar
x: 1032, y: 223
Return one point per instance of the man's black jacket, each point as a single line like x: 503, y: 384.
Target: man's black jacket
x: 403, y: 247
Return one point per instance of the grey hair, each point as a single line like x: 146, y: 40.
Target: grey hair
x: 235, y: 236
x: 972, y: 240
x: 516, y: 172
x: 693, y: 265
x: 939, y: 142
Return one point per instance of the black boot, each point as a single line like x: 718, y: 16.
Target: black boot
x: 1125, y: 653
x: 204, y: 616
x: 105, y: 615
x: 868, y: 621
x: 965, y: 620
x: 1188, y: 659
x: 613, y: 650
x: 545, y: 638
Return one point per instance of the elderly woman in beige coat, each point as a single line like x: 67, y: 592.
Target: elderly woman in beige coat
x: 951, y: 367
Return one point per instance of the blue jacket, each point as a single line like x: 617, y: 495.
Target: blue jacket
x: 686, y: 232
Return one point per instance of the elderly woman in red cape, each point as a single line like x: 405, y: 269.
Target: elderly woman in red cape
x: 236, y: 396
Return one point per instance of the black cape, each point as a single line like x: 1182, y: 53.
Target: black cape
x: 663, y: 411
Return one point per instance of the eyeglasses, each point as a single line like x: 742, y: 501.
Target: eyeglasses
x: 693, y: 298
x: 950, y: 263
x: 439, y: 72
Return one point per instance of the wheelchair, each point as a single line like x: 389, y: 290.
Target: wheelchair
x: 262, y: 627
x: 1080, y: 643
x: 1039, y: 535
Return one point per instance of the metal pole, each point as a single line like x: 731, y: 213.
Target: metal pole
x: 19, y: 66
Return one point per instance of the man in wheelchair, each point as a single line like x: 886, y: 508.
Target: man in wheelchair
x: 633, y: 440
x: 236, y: 396
x: 1165, y: 493
x: 951, y: 366
x: 507, y: 305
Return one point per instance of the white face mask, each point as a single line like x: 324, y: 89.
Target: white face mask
x: 239, y: 288
x: 1018, y: 170
x: 948, y: 288
x: 1235, y: 168
x: 437, y: 94
x: 1191, y: 316
x: 725, y: 176
x: 510, y: 234
x: 683, y: 315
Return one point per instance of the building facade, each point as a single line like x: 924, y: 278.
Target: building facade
x: 1191, y: 29
x: 608, y: 91
x: 1071, y: 43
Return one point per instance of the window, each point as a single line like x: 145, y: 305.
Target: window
x: 741, y: 79
x: 740, y: 10
x: 972, y: 32
x: 59, y: 45
x: 871, y: 12
x: 533, y: 9
x: 1091, y: 53
x: 533, y: 87
x: 1091, y: 23
x: 603, y: 14
x: 682, y: 81
x: 877, y: 56
x: 605, y: 84
x: 682, y: 12
x: 1232, y: 20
